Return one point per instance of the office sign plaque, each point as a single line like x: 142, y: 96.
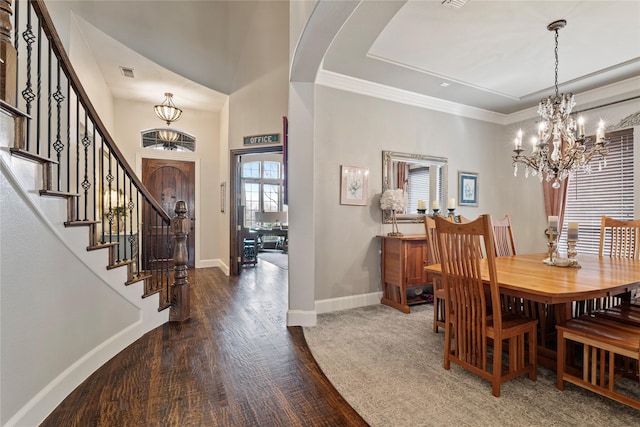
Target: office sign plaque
x: 272, y: 138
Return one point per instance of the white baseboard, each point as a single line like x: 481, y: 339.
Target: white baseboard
x: 301, y: 318
x: 310, y: 318
x: 43, y: 403
x: 208, y: 263
x: 344, y: 303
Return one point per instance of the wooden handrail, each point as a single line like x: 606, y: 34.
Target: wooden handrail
x: 57, y: 47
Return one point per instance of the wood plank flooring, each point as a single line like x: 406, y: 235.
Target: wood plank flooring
x: 234, y: 363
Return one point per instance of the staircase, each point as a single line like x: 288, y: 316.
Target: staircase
x: 101, y: 274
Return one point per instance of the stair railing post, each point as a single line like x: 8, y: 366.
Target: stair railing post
x: 180, y: 227
x: 8, y: 56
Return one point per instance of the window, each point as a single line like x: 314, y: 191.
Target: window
x: 261, y: 189
x: 168, y: 139
x: 608, y: 191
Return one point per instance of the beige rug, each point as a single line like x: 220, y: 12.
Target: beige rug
x: 388, y: 366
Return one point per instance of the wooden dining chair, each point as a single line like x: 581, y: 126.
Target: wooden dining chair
x: 433, y: 257
x: 503, y: 236
x: 618, y: 239
x: 470, y: 329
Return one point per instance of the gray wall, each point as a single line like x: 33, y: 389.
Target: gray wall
x: 353, y: 130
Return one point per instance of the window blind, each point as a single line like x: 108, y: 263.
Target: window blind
x: 418, y: 179
x: 606, y: 191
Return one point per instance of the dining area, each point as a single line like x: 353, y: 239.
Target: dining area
x: 504, y: 313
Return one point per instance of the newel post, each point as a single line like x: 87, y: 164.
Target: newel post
x: 180, y: 226
x: 7, y: 55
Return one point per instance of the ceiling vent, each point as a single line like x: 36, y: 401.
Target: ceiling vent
x: 454, y: 4
x: 127, y: 72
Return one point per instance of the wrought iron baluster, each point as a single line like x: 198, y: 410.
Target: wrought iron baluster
x: 27, y: 94
x: 68, y: 187
x: 58, y: 96
x: 86, y: 142
x: 38, y: 89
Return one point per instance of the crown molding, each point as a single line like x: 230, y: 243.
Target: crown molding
x: 377, y: 90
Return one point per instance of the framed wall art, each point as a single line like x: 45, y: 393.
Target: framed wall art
x: 467, y: 188
x: 354, y: 184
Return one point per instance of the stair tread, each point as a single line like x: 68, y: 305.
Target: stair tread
x: 137, y: 279
x: 56, y: 193
x: 102, y: 246
x: 120, y: 263
x: 80, y: 223
x: 32, y: 156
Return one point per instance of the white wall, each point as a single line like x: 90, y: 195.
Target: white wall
x: 132, y: 117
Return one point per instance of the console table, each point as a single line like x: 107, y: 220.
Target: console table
x: 403, y: 262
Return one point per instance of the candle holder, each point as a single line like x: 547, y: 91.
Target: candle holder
x: 436, y: 212
x: 451, y: 212
x: 422, y: 211
x: 572, y: 252
x: 552, y: 246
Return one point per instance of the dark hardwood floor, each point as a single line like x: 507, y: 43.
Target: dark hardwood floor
x: 234, y: 363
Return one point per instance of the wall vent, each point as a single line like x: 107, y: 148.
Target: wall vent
x: 455, y: 4
x: 127, y: 72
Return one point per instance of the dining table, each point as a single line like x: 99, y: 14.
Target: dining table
x: 553, y: 289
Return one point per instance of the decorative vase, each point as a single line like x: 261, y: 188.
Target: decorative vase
x: 394, y: 225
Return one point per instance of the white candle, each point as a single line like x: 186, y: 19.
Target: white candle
x: 519, y: 140
x: 435, y: 204
x: 452, y: 203
x: 572, y: 232
x: 422, y: 204
x: 600, y: 132
x: 580, y: 126
x: 553, y: 224
x: 540, y: 130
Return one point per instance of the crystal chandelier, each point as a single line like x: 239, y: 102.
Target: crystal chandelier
x: 167, y: 111
x: 560, y: 149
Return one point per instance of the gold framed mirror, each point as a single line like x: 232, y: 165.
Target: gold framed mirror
x: 425, y: 178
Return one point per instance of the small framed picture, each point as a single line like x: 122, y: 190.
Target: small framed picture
x: 467, y: 188
x: 354, y: 184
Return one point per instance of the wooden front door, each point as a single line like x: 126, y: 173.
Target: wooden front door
x: 170, y: 181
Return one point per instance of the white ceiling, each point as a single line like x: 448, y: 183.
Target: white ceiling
x: 495, y: 55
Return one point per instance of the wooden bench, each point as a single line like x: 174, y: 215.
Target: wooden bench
x: 603, y: 342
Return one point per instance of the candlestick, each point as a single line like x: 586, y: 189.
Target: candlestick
x: 553, y: 224
x: 572, y: 232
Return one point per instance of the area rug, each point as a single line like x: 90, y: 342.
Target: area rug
x: 388, y: 366
x: 276, y: 258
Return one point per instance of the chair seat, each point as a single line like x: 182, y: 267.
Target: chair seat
x: 512, y: 324
x: 627, y: 313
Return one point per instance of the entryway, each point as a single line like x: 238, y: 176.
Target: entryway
x: 258, y: 213
x: 170, y: 181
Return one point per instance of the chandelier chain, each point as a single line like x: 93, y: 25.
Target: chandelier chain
x: 556, y: 52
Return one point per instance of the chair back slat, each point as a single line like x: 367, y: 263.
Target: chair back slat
x: 503, y: 237
x: 461, y: 251
x: 619, y: 238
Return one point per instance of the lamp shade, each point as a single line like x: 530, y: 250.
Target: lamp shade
x: 167, y: 111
